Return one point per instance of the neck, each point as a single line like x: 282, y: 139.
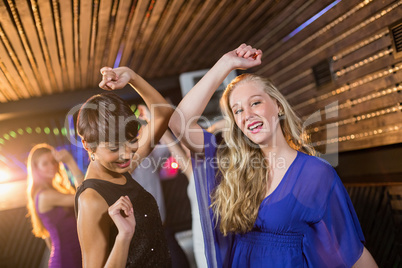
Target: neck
x: 96, y: 170
x: 278, y: 149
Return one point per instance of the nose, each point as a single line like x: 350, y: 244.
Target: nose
x: 125, y: 152
x: 247, y: 114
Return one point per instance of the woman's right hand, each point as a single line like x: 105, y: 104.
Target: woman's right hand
x: 122, y: 214
x: 116, y: 78
x: 62, y: 155
x: 243, y: 57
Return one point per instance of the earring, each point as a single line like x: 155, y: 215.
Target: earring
x: 92, y: 156
x: 281, y: 113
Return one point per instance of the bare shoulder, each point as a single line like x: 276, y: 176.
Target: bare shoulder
x: 46, y: 194
x: 92, y: 202
x: 50, y: 198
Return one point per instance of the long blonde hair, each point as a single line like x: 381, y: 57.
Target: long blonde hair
x: 237, y: 198
x: 60, y: 183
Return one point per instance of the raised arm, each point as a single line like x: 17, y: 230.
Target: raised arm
x: 161, y: 110
x: 183, y: 122
x: 178, y: 152
x: 50, y: 198
x: 65, y: 157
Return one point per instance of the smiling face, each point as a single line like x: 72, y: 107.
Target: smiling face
x: 46, y: 167
x: 254, y: 111
x: 116, y: 158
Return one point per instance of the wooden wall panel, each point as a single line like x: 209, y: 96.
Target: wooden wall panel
x: 365, y: 74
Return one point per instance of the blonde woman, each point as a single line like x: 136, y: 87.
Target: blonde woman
x: 51, y: 203
x: 272, y: 203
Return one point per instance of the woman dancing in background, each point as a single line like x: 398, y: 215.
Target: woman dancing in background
x: 51, y: 203
x: 273, y: 204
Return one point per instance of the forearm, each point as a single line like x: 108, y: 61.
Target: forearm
x: 76, y: 171
x: 183, y: 122
x: 178, y: 153
x: 195, y: 101
x: 119, y: 254
x: 156, y: 103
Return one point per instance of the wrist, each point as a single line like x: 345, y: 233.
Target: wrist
x: 227, y: 63
x: 124, y: 238
x: 133, y: 77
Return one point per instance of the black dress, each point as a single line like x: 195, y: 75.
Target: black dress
x: 148, y: 247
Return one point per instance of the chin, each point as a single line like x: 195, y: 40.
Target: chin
x: 121, y: 170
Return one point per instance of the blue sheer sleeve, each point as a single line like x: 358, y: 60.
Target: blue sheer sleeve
x: 337, y: 239
x: 217, y: 246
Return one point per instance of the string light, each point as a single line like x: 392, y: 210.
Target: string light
x: 363, y: 62
x: 359, y: 82
x: 363, y: 43
x: 358, y: 118
x: 64, y: 131
x: 365, y: 134
x: 332, y: 42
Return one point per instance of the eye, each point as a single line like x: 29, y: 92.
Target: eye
x: 255, y: 103
x: 238, y: 111
x: 113, y: 148
x: 132, y: 141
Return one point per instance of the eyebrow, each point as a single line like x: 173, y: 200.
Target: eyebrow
x: 236, y: 104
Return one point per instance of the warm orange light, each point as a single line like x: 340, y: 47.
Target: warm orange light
x: 4, y: 176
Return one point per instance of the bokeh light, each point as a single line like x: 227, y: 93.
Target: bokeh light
x: 174, y: 165
x: 4, y: 175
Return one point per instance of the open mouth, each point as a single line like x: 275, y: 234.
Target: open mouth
x: 124, y: 164
x: 255, y: 127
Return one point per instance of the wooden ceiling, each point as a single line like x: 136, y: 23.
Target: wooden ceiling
x: 56, y: 48
x: 53, y: 46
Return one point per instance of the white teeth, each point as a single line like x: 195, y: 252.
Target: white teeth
x: 255, y: 126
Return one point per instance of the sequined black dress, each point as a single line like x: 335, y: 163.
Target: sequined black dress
x: 148, y: 246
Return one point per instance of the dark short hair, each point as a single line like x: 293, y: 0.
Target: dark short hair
x: 104, y: 118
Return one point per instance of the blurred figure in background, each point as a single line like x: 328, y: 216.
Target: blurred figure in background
x: 51, y: 203
x: 147, y: 174
x: 183, y: 158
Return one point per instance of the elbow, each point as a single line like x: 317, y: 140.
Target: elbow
x: 176, y: 123
x: 164, y: 113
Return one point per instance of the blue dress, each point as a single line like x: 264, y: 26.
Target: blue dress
x: 307, y: 221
